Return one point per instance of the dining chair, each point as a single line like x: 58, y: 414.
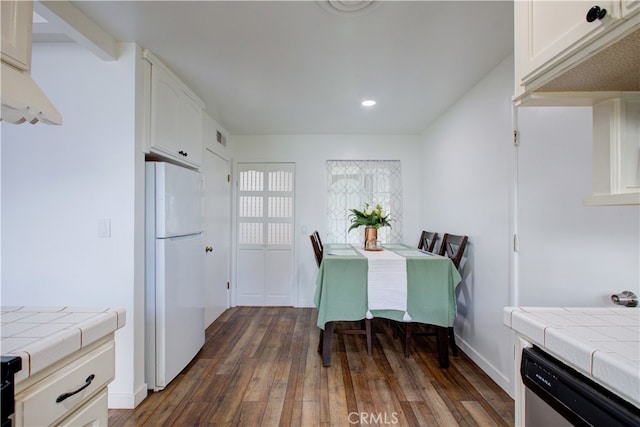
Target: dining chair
x: 453, y: 247
x: 317, y: 248
x: 330, y: 327
x: 427, y: 241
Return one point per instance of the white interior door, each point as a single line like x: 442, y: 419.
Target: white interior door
x: 265, y: 258
x: 217, y: 234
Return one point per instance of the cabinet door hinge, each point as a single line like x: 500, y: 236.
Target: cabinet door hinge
x: 228, y: 287
x: 515, y: 243
x: 228, y: 178
x: 516, y: 141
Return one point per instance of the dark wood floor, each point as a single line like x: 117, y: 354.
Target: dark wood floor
x: 260, y: 367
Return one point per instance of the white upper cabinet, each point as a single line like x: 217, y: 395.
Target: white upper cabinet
x: 175, y: 115
x: 616, y: 151
x: 16, y: 33
x: 552, y: 37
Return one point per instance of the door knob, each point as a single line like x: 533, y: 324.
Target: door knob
x: 208, y: 248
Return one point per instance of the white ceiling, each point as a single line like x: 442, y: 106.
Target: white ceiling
x: 293, y: 67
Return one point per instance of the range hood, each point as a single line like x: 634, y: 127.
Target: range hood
x: 23, y: 101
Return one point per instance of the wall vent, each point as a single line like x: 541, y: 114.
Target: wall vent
x: 221, y: 138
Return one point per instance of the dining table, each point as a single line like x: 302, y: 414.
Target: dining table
x: 425, y: 292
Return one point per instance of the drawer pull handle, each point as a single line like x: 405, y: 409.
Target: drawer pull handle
x: 87, y: 383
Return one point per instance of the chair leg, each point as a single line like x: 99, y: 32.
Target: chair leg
x: 408, y: 329
x: 327, y: 341
x: 443, y: 346
x: 452, y: 341
x: 367, y: 327
x: 320, y: 341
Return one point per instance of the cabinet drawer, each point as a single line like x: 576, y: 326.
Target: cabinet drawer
x: 94, y: 413
x: 38, y: 406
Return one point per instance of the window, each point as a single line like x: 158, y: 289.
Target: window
x: 265, y: 204
x: 351, y: 184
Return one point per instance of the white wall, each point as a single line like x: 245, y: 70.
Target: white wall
x: 569, y: 254
x: 310, y: 153
x: 58, y: 182
x: 466, y: 190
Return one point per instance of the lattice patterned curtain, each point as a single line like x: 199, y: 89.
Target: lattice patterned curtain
x: 351, y: 184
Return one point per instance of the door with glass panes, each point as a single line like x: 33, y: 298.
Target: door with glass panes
x: 265, y: 257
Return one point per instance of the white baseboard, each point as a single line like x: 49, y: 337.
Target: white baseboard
x: 305, y: 304
x: 498, y: 377
x: 127, y: 400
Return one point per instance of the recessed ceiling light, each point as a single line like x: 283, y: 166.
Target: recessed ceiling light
x: 349, y: 7
x: 368, y: 103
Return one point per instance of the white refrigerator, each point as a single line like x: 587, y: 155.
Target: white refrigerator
x: 174, y: 268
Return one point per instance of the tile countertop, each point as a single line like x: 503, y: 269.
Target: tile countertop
x: 601, y: 343
x: 42, y: 336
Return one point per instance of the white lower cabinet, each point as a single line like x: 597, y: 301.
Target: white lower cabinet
x: 73, y: 392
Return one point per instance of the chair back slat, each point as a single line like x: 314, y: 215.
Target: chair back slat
x: 427, y: 241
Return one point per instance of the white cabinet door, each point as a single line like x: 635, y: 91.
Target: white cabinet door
x: 547, y: 31
x: 165, y: 112
x: 16, y: 32
x: 265, y: 218
x: 190, y: 142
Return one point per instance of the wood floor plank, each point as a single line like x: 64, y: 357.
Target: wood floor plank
x: 310, y: 414
x: 386, y: 404
x: 250, y: 414
x: 477, y: 412
x: 491, y: 393
x: 338, y: 411
x: 260, y: 367
x: 404, y: 387
x: 423, y: 414
x: 231, y: 398
x: 358, y: 374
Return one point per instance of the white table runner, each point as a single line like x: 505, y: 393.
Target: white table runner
x: 386, y: 281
